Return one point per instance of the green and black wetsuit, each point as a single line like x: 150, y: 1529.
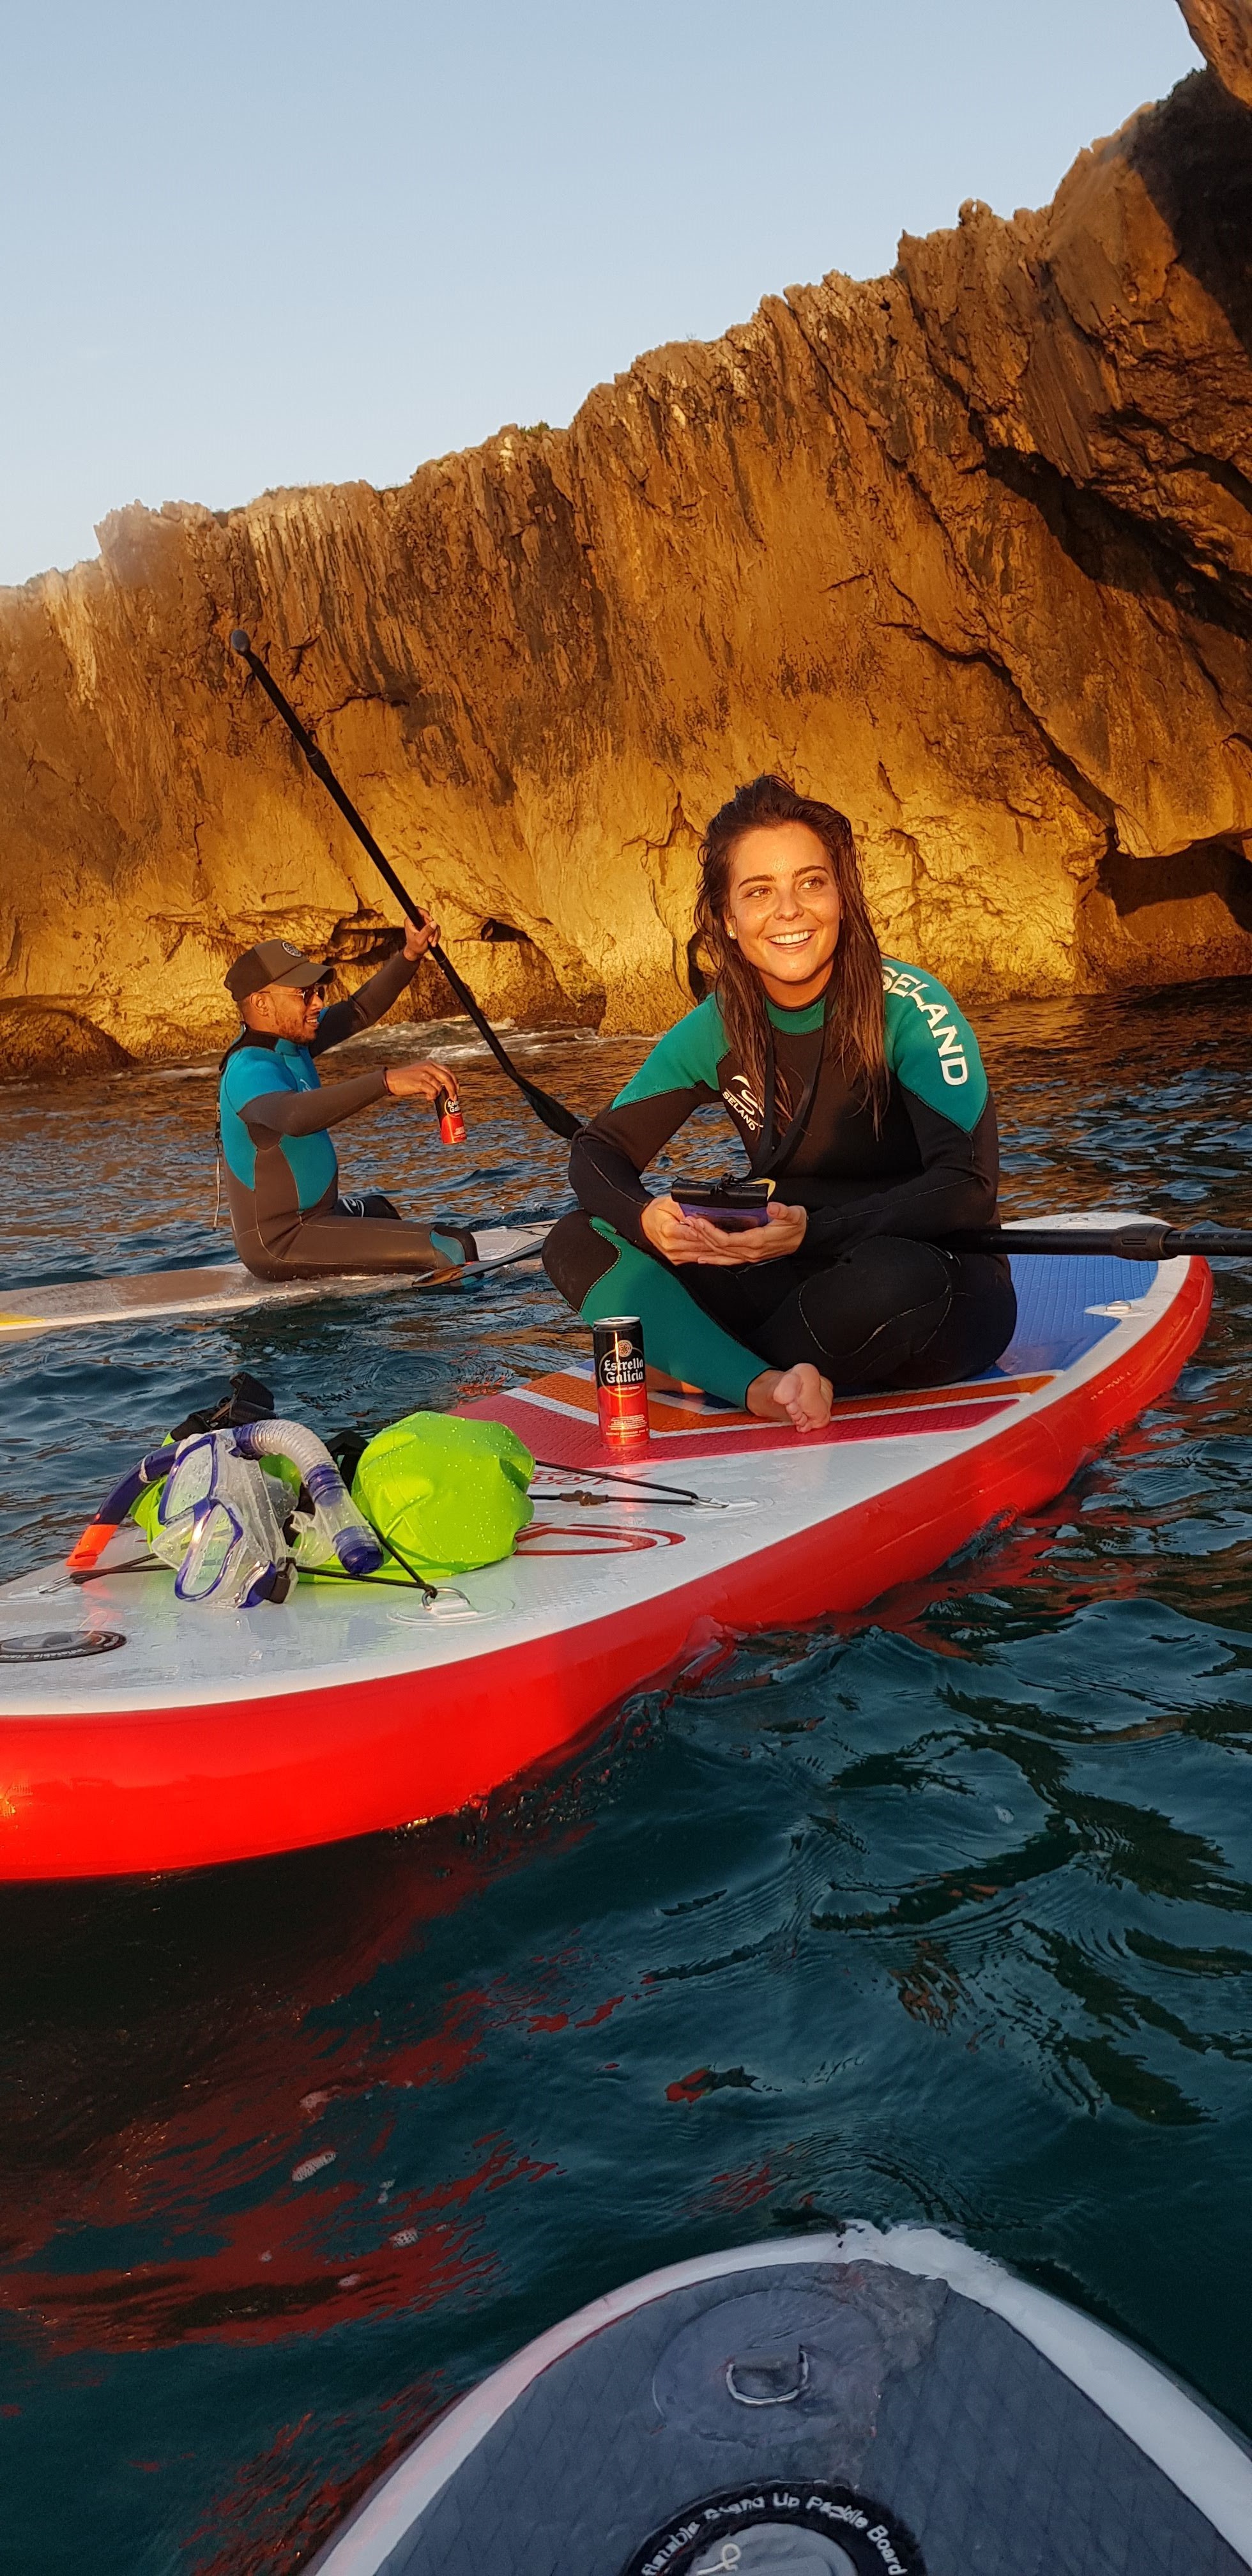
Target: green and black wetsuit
x: 282, y: 1178
x: 870, y: 1297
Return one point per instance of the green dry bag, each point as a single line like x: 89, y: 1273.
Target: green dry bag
x: 448, y: 1494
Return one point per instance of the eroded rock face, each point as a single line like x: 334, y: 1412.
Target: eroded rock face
x: 39, y: 1042
x: 1223, y: 31
x: 967, y: 548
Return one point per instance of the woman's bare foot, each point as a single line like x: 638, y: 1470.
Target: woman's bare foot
x: 799, y: 1395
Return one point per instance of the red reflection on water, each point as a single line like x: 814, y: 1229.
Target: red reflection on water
x: 286, y: 2498
x: 739, y: 2188
x: 128, y: 2141
x: 1024, y: 1557
x: 272, y: 2275
x: 707, y: 2079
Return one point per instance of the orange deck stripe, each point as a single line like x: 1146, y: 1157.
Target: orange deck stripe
x: 666, y: 1415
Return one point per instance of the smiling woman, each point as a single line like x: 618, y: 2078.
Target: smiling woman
x: 858, y: 1093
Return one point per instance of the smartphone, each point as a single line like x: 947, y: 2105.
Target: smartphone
x: 734, y: 1205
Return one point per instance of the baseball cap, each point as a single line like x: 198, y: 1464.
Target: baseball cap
x: 272, y: 961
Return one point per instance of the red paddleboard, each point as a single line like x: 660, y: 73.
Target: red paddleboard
x: 140, y: 1734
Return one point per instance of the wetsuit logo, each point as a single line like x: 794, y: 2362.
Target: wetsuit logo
x: 743, y: 1104
x: 953, y: 1061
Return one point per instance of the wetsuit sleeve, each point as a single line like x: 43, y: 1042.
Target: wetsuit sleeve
x: 955, y: 1188
x: 678, y: 1076
x: 306, y: 1113
x: 933, y: 1054
x: 346, y: 1019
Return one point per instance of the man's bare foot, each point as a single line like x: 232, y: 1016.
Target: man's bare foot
x: 799, y: 1395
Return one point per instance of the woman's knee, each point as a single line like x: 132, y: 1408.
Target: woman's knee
x: 877, y: 1306
x: 887, y: 1276
x: 976, y: 1329
x: 575, y: 1256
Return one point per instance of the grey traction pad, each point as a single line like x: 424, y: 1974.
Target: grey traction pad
x: 996, y: 2463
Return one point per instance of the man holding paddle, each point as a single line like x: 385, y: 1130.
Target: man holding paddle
x: 282, y: 1177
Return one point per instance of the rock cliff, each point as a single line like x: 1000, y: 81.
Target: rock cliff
x: 967, y: 548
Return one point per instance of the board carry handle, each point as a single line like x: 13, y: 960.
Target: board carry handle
x: 552, y: 1113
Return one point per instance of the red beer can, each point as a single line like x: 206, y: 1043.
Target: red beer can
x: 621, y: 1385
x: 448, y: 1113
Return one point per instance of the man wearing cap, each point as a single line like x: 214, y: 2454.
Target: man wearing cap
x: 282, y: 1178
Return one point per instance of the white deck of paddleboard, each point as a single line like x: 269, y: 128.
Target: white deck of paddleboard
x: 329, y: 1634
x: 226, y: 1288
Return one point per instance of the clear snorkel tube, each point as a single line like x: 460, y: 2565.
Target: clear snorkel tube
x: 333, y: 1531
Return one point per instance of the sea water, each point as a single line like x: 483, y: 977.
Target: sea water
x: 942, y: 1912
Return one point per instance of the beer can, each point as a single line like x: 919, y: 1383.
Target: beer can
x: 621, y: 1385
x: 451, y: 1122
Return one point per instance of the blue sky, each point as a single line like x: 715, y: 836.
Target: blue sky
x: 289, y: 242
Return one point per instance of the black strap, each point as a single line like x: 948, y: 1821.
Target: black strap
x: 247, y: 1038
x: 772, y: 1157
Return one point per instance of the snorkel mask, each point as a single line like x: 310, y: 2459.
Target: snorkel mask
x: 236, y: 1535
x: 217, y: 1525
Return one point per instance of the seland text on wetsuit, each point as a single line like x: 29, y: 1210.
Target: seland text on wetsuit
x: 870, y: 1297
x: 282, y: 1176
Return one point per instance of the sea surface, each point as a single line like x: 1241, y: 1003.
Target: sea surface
x: 939, y: 1913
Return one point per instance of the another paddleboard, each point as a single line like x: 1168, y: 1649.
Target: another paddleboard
x: 867, y: 2404
x: 140, y: 1734
x: 226, y: 1288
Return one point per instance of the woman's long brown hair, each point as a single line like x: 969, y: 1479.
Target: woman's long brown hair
x: 854, y: 1022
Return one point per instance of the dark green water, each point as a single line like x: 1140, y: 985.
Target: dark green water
x: 941, y: 1913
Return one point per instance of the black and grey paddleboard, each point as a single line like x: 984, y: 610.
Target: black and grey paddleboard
x: 859, y: 2405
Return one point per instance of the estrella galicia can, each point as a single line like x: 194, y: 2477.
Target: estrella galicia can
x: 621, y: 1385
x: 451, y: 1119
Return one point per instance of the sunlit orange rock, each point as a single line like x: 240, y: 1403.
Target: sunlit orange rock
x: 967, y: 548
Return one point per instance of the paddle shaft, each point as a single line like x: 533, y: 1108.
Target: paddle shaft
x: 1140, y: 1239
x: 553, y: 1113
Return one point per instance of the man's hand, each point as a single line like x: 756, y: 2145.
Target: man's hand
x: 418, y: 938
x: 680, y: 1239
x: 419, y: 1081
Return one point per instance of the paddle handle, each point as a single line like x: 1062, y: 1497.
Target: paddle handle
x: 1140, y: 1239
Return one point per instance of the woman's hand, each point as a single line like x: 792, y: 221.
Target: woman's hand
x: 419, y: 1081
x: 681, y: 1239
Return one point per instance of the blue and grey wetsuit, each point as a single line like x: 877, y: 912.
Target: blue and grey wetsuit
x: 871, y: 1297
x: 282, y: 1176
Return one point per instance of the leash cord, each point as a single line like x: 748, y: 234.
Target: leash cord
x: 634, y: 1485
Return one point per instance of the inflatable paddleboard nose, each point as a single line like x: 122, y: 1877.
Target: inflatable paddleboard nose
x: 951, y: 2419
